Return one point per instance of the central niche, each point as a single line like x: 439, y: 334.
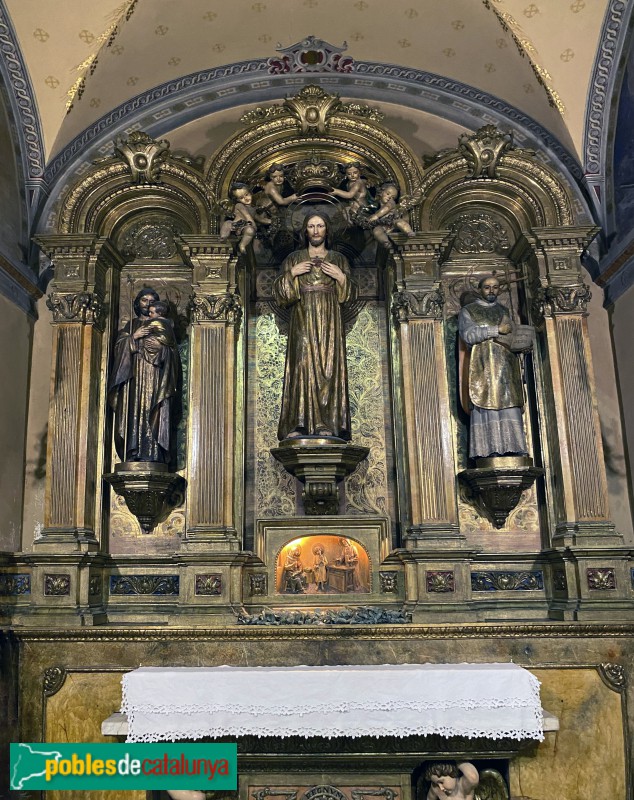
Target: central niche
x: 321, y: 565
x: 342, y: 165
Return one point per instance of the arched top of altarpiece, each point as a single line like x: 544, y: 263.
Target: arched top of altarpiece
x: 318, y: 127
x: 141, y: 177
x: 488, y: 173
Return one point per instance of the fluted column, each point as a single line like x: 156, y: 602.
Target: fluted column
x: 216, y: 316
x: 571, y: 433
x: 85, y: 269
x: 417, y: 307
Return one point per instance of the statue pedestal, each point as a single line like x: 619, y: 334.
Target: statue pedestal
x: 147, y: 487
x: 320, y: 463
x: 499, y: 482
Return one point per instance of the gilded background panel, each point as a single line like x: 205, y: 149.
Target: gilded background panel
x: 586, y: 757
x: 75, y: 714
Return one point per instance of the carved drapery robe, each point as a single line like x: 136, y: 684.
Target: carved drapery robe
x: 495, y: 383
x: 146, y: 372
x: 315, y: 396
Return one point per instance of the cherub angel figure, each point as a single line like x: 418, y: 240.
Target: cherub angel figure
x: 356, y: 193
x: 389, y: 217
x: 275, y: 184
x: 243, y: 217
x: 452, y: 780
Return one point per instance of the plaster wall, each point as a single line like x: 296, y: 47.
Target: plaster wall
x: 15, y: 339
x: 35, y: 448
x: 607, y: 394
x: 622, y: 327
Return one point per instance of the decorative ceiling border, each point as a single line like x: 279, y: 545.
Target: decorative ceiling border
x: 615, y: 270
x: 22, y: 98
x: 227, y: 79
x: 602, y: 83
x: 172, y: 104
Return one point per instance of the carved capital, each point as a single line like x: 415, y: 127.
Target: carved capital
x: 143, y: 155
x: 225, y: 307
x: 482, y: 150
x: 417, y: 305
x: 550, y: 301
x: 85, y: 307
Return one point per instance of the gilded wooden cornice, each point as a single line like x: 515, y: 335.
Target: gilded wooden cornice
x: 313, y: 118
x: 139, y: 167
x: 550, y: 630
x: 483, y: 165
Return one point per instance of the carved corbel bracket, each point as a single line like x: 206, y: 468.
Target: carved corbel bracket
x: 614, y: 676
x: 54, y: 679
x: 148, y: 489
x: 320, y: 464
x: 500, y: 486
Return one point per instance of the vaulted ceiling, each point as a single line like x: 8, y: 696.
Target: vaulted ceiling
x: 86, y: 57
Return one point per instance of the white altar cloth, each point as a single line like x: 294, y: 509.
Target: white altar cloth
x: 474, y: 700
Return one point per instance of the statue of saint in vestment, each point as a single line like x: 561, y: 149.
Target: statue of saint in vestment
x: 496, y: 394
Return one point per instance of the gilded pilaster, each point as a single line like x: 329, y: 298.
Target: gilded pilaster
x: 82, y: 292
x: 216, y: 315
x: 417, y: 308
x: 572, y: 443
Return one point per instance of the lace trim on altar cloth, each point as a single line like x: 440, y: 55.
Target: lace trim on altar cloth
x: 399, y: 732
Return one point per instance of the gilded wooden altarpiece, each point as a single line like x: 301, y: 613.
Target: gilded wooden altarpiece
x: 144, y: 217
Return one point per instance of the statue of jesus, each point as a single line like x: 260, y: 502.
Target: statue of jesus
x: 314, y: 283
